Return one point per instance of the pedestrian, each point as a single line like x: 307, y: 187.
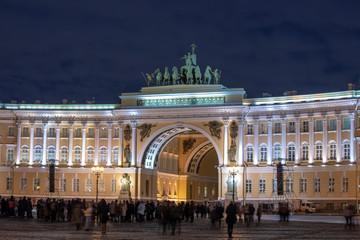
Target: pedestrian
x: 88, y: 217
x: 348, y: 214
x: 258, y: 214
x: 103, y: 211
x: 231, y: 218
x: 76, y: 213
x: 165, y: 215
x: 219, y: 213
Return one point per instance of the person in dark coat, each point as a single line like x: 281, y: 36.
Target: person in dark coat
x: 231, y: 218
x: 165, y: 215
x: 76, y: 213
x: 103, y: 210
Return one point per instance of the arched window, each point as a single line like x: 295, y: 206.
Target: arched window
x: 304, y: 152
x: 291, y: 152
x: 37, y: 154
x: 77, y: 155
x: 332, y: 151
x: 90, y: 155
x: 115, y: 157
x: 25, y: 154
x: 64, y: 155
x: 249, y: 154
x: 263, y: 153
x: 103, y: 155
x: 346, y: 150
x: 318, y: 151
x: 51, y: 153
x: 277, y: 151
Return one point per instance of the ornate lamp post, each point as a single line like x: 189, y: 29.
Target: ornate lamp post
x: 97, y: 171
x: 244, y: 183
x: 233, y: 171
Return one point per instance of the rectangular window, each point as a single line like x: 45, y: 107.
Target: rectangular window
x: 305, y: 126
x: 248, y: 186
x: 10, y: 155
x: 274, y: 185
x: 291, y: 127
x: 36, y: 186
x: 76, y: 184
x: 277, y: 127
x: 318, y: 126
x: 198, y: 190
x: 317, y: 185
x: 77, y: 132
x: 305, y: 152
x: 102, y: 185
x: 88, y: 185
x: 249, y: 129
x: 51, y: 132
x: 303, y: 185
x: 103, y: 132
x: 262, y: 186
x: 205, y: 192
x: 38, y: 132
x: 91, y: 133
x: 345, y: 184
x: 11, y: 132
x: 64, y: 132
x: 116, y: 132
x: 25, y: 132
x: 332, y: 124
x: 346, y: 123
x: 113, y: 185
x: 263, y: 128
x: 62, y: 185
x: 23, y: 184
x: 290, y: 185
x: 331, y: 185
x: 9, y: 181
x: 213, y: 191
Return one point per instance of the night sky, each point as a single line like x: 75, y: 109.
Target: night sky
x: 79, y: 50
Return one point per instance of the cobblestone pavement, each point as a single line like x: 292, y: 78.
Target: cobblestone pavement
x: 12, y: 228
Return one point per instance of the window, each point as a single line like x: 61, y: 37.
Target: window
x: 291, y: 152
x: 291, y: 127
x: 289, y: 185
x: 64, y: 132
x: 51, y: 132
x: 248, y: 186
x: 38, y: 132
x: 213, y: 191
x: 51, y: 153
x: 277, y: 127
x: 277, y: 151
x: 64, y: 155
x: 262, y: 186
x: 249, y: 129
x: 318, y: 126
x: 77, y: 155
x: 23, y: 184
x: 303, y: 185
x: 102, y: 185
x: 102, y: 155
x: 346, y: 151
x: 274, y: 185
x: 305, y: 152
x: 249, y: 154
x: 90, y: 155
x: 76, y: 184
x: 332, y: 151
x: 345, y: 184
x: 113, y: 185
x: 9, y: 182
x: 305, y: 126
x: 346, y: 123
x: 25, y: 132
x: 318, y: 151
x: 62, y: 185
x: 10, y: 155
x: 331, y: 185
x: 263, y: 128
x: 198, y: 190
x: 205, y: 192
x: 332, y: 124
x: 11, y: 132
x: 77, y: 132
x: 36, y: 184
x: 91, y: 133
x: 317, y: 185
x: 115, y: 155
x: 24, y: 154
x: 263, y: 153
x: 116, y: 132
x: 103, y: 132
x: 88, y: 185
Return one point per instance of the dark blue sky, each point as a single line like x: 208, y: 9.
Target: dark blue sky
x: 50, y: 50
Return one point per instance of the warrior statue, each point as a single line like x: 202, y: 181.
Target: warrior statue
x: 189, y: 74
x: 159, y: 77
x: 207, y: 75
x: 197, y: 75
x: 166, y: 76
x: 175, y: 75
x: 216, y: 76
x: 150, y: 78
x: 193, y: 55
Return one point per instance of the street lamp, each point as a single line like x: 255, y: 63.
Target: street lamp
x: 97, y: 171
x: 244, y: 183
x: 233, y: 171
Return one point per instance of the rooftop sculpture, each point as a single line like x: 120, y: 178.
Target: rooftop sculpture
x: 189, y: 73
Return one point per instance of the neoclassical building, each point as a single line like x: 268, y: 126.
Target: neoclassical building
x: 185, y: 141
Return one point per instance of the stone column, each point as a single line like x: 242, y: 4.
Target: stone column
x: 325, y: 145
x: 83, y: 143
x: 133, y: 144
x: 226, y: 141
x: 352, y: 136
x: 71, y: 139
x: 311, y: 139
x: 338, y: 138
x: 121, y: 136
x: 44, y: 152
x: 283, y: 138
x: 270, y: 142
x: 57, y: 143
x: 256, y: 141
x: 96, y: 151
x: 297, y: 140
x: 18, y: 142
x: 109, y: 147
x: 240, y: 160
x: 31, y: 147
